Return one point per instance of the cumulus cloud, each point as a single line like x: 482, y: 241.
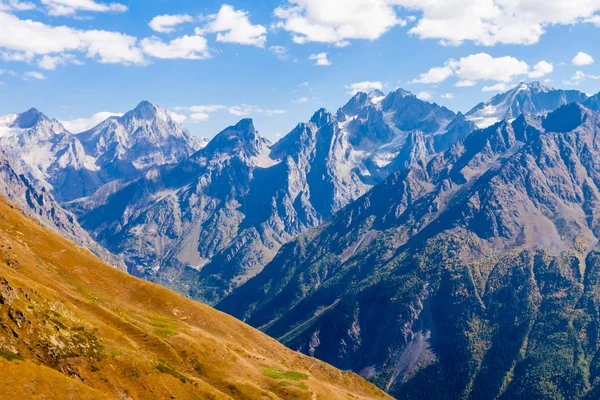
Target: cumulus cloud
x: 200, y: 116
x: 79, y: 125
x: 426, y: 96
x: 582, y: 59
x: 168, y: 23
x: 366, y: 86
x: 22, y: 40
x: 234, y: 26
x: 71, y: 7
x: 49, y: 62
x: 485, y: 22
x: 180, y: 118
x: 336, y: 21
x: 185, y: 47
x: 280, y: 52
x: 320, y: 59
x: 484, y: 67
x: 16, y: 5
x: 489, y: 22
x: 578, y: 76
x: 33, y: 75
x: 541, y: 69
x: 447, y: 96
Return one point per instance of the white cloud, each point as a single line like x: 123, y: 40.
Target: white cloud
x: 435, y: 75
x: 186, y: 47
x: 582, y: 59
x: 447, y: 96
x: 203, y: 108
x: 593, y: 20
x: 280, y: 52
x: 336, y: 21
x: 79, y: 125
x: 485, y: 22
x: 49, y: 62
x: 541, y: 69
x: 16, y: 5
x: 33, y: 75
x: 426, y: 96
x: 465, y: 83
x: 25, y: 39
x: 200, y: 116
x: 301, y: 100
x: 499, y: 87
x: 320, y: 59
x: 489, y: 22
x: 234, y: 26
x: 180, y: 118
x: 484, y: 67
x: 70, y: 7
x: 167, y: 23
x: 366, y: 86
x: 578, y: 76
x: 245, y: 110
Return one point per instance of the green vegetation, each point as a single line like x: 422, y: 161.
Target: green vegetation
x: 164, y: 368
x: 10, y: 356
x: 279, y: 374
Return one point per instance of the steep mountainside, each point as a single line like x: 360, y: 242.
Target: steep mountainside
x: 73, y: 327
x: 18, y: 184
x: 208, y: 224
x: 473, y: 274
x: 527, y: 98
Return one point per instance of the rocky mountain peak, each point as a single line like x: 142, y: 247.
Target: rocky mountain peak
x: 29, y: 119
x: 145, y: 111
x: 242, y: 137
x: 321, y: 118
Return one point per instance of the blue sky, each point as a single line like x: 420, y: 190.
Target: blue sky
x: 224, y: 61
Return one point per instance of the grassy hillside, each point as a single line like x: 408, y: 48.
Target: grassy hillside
x: 74, y: 327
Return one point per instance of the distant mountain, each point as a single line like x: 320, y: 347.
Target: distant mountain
x: 473, y: 274
x: 18, y: 184
x: 526, y: 98
x: 593, y: 103
x: 73, y: 327
x: 45, y: 146
x: 208, y: 224
x: 144, y: 137
x: 74, y: 166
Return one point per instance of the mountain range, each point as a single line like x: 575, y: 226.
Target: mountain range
x: 395, y: 238
x: 472, y: 273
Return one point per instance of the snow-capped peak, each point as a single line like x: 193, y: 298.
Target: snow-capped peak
x: 525, y: 98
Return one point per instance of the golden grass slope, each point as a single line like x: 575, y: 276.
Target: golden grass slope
x: 72, y: 327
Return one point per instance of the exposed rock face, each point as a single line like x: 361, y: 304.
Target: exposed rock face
x: 527, y: 98
x: 208, y: 224
x: 144, y: 137
x: 44, y: 164
x: 74, y: 166
x: 472, y: 273
x: 19, y: 186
